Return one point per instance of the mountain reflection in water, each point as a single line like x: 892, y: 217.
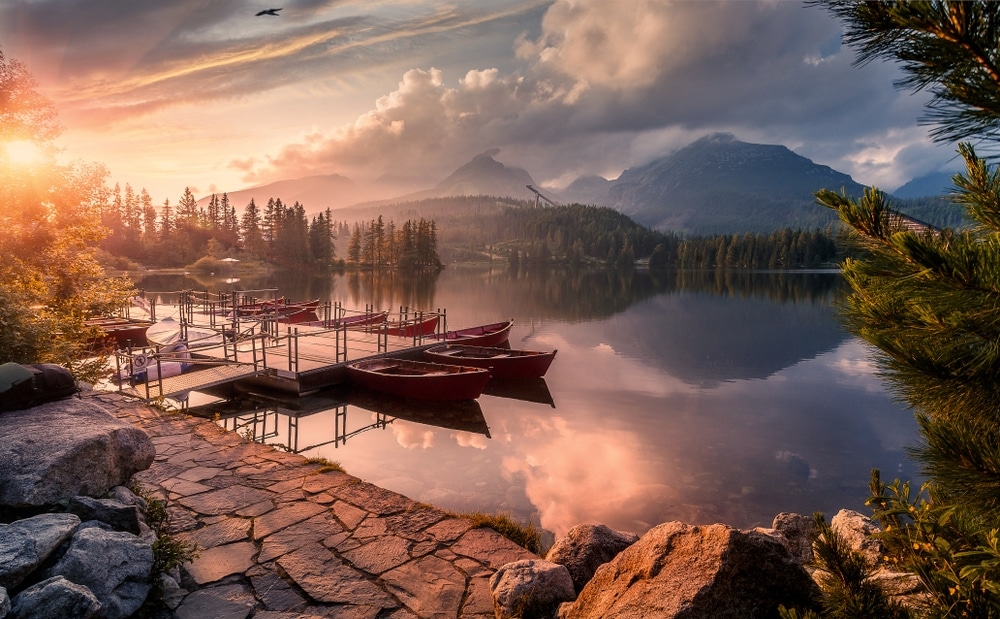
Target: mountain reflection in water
x: 695, y: 396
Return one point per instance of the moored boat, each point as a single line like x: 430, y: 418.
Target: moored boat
x: 414, y: 327
x: 494, y: 334
x: 419, y: 379
x: 502, y: 362
x: 365, y: 321
x: 119, y: 332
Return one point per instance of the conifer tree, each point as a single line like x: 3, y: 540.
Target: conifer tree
x: 930, y: 302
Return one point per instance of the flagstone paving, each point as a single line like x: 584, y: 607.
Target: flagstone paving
x: 281, y: 538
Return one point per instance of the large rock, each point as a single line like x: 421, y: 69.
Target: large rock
x: 530, y: 589
x: 795, y: 532
x: 55, y: 597
x: 587, y: 547
x: 116, y: 566
x: 26, y: 544
x: 681, y: 571
x: 57, y: 450
x: 859, y: 532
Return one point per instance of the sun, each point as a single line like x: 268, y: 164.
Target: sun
x: 23, y: 152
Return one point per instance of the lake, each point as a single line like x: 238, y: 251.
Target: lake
x: 695, y: 396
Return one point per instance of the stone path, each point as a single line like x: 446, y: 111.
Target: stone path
x: 281, y: 538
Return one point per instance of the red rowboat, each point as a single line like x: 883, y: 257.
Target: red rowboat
x: 494, y: 334
x: 359, y: 322
x: 501, y: 362
x: 419, y: 380
x: 414, y: 327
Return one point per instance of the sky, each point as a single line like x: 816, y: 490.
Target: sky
x: 207, y: 95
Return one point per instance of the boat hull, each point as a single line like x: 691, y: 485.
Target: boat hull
x: 412, y: 328
x: 495, y: 334
x: 419, y: 380
x: 501, y: 362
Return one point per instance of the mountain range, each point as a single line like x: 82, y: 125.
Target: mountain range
x: 717, y: 184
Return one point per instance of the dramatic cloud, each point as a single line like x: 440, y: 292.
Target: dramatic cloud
x: 210, y: 94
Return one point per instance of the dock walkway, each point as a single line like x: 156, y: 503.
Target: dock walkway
x: 283, y: 538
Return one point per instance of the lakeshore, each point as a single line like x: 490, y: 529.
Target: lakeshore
x: 280, y: 536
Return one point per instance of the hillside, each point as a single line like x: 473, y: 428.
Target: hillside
x: 316, y: 192
x: 719, y: 184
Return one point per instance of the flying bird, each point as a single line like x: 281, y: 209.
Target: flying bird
x: 269, y: 12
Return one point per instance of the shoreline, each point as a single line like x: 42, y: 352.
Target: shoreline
x: 278, y: 533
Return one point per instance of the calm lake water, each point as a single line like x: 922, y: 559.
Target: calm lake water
x: 696, y: 396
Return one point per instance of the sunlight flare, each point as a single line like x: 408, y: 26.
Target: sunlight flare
x: 22, y: 152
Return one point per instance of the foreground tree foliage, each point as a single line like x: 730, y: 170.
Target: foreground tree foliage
x: 930, y: 302
x: 50, y: 280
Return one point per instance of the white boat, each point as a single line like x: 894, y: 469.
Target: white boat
x: 166, y: 333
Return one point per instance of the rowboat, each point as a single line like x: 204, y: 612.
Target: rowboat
x: 418, y: 379
x: 366, y: 321
x: 412, y: 328
x: 295, y: 316
x: 278, y: 307
x: 502, y: 362
x: 494, y: 334
x: 118, y: 332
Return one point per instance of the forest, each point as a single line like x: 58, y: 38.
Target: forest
x: 459, y: 229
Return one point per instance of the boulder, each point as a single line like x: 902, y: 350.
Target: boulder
x: 4, y: 603
x: 586, y: 547
x: 680, y: 571
x: 530, y: 589
x: 66, y: 448
x: 794, y: 531
x: 858, y: 531
x: 55, y: 597
x: 26, y: 544
x: 116, y: 566
x: 120, y: 517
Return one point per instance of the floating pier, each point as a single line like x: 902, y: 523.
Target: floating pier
x: 240, y: 349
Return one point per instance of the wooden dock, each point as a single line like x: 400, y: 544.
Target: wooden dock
x: 264, y: 353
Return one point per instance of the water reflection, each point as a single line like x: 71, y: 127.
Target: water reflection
x: 303, y: 425
x: 696, y: 396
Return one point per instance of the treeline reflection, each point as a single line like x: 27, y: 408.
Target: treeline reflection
x: 567, y: 294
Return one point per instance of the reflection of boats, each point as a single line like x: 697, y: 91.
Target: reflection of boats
x: 412, y: 327
x: 526, y: 389
x: 501, y: 362
x: 493, y: 334
x: 462, y: 415
x: 419, y: 380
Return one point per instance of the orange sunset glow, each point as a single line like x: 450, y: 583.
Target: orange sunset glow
x: 397, y: 94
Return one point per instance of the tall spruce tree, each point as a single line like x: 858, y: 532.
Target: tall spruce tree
x: 929, y: 300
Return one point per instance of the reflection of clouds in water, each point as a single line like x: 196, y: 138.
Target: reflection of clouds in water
x: 468, y: 439
x: 851, y: 364
x: 412, y: 436
x: 573, y: 477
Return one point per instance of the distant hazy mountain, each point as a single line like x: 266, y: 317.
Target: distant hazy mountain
x: 483, y: 176
x: 316, y: 193
x: 933, y: 184
x: 719, y: 184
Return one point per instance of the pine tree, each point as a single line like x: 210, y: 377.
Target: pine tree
x: 930, y: 302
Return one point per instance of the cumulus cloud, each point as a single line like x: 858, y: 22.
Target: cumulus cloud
x: 608, y: 85
x: 563, y: 87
